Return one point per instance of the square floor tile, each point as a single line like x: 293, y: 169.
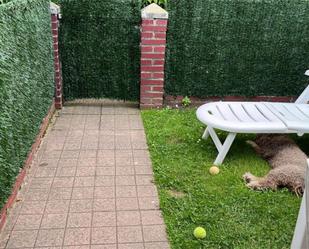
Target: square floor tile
x: 104, y: 181
x: 28, y: 221
x: 125, y: 191
x: 104, y: 192
x: 104, y: 205
x: 127, y: 203
x: 22, y: 239
x: 54, y: 221
x: 50, y: 237
x: 77, y: 236
x: 128, y: 218
x: 103, y: 219
x: 82, y: 193
x: 130, y: 234
x: 154, y: 233
x: 81, y: 205
x: 33, y: 207
x: 152, y: 217
x: 57, y: 206
x: 79, y: 220
x: 103, y: 235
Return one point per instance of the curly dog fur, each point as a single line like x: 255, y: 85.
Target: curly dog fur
x: 286, y: 159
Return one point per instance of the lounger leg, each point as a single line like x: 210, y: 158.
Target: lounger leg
x: 205, y: 134
x: 225, y: 148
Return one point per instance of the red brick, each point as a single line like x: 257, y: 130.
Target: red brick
x: 154, y: 28
x: 147, y: 22
x: 158, y: 75
x: 152, y: 82
x: 55, y: 32
x: 152, y: 68
x: 158, y: 62
x: 157, y: 88
x: 160, y: 35
x: 147, y: 49
x: 55, y: 45
x: 153, y: 56
x: 152, y: 95
x: 161, y: 22
x: 146, y: 75
x: 234, y: 98
x: 160, y: 49
x: 54, y: 18
x: 147, y: 35
x: 146, y: 62
x: 145, y: 88
x: 154, y: 42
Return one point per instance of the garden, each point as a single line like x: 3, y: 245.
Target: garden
x: 201, y: 51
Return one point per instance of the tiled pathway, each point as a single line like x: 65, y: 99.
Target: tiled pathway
x: 90, y: 187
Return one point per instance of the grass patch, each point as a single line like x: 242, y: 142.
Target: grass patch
x: 233, y: 215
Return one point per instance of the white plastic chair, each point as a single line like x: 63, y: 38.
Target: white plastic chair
x: 253, y: 117
x: 301, y: 232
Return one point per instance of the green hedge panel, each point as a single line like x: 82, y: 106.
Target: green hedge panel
x: 26, y: 82
x: 237, y: 47
x: 99, y: 47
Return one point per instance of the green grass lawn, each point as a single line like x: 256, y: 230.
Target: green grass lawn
x: 233, y: 215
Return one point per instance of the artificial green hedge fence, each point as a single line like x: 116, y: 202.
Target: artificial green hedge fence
x: 237, y: 47
x: 99, y: 48
x: 26, y: 82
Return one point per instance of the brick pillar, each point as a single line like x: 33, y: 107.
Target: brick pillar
x: 153, y: 44
x: 55, y: 16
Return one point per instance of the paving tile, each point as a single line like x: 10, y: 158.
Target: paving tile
x: 81, y: 206
x: 125, y: 180
x: 85, y: 171
x: 69, y: 154
x: 66, y: 171
x: 125, y: 191
x: 106, y: 153
x: 104, y: 181
x: 110, y: 246
x: 132, y: 246
x: 22, y: 239
x: 87, y: 181
x: 75, y: 247
x: 45, y: 172
x: 45, y: 182
x: 152, y: 217
x: 139, y: 161
x: 154, y: 233
x: 123, y: 153
x: 50, y: 237
x: 57, y: 206
x: 141, y: 153
x: 63, y: 182
x: 87, y: 154
x: 48, y: 163
x: 82, y: 193
x: 28, y: 221
x: 144, y: 180
x: 77, y: 236
x: 106, y: 162
x: 129, y: 234
x: 105, y: 171
x: 127, y: 170
x: 143, y: 170
x: 52, y: 154
x: 127, y: 204
x: 157, y: 245
x: 148, y: 203
x: 103, y: 219
x: 60, y: 194
x: 124, y: 161
x: 104, y: 192
x: 103, y: 235
x: 68, y: 162
x: 147, y: 191
x: 37, y: 194
x: 54, y: 221
x: 86, y: 162
x: 79, y: 220
x: 32, y: 207
x: 104, y: 205
x: 128, y: 218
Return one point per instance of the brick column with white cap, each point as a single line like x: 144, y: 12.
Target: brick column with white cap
x: 55, y: 16
x: 153, y: 44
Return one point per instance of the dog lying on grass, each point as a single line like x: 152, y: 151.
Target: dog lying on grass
x: 286, y: 159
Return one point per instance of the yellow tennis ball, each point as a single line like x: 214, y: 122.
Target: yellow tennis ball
x: 214, y: 170
x: 199, y: 233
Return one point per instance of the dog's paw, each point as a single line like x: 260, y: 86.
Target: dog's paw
x: 247, y: 177
x: 254, y: 185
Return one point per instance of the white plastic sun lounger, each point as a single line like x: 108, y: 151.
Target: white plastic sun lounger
x: 253, y: 117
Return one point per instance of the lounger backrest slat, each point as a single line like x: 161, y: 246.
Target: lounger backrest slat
x: 304, y: 97
x: 241, y: 113
x: 227, y: 112
x: 254, y: 112
x: 267, y: 113
x: 286, y: 112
